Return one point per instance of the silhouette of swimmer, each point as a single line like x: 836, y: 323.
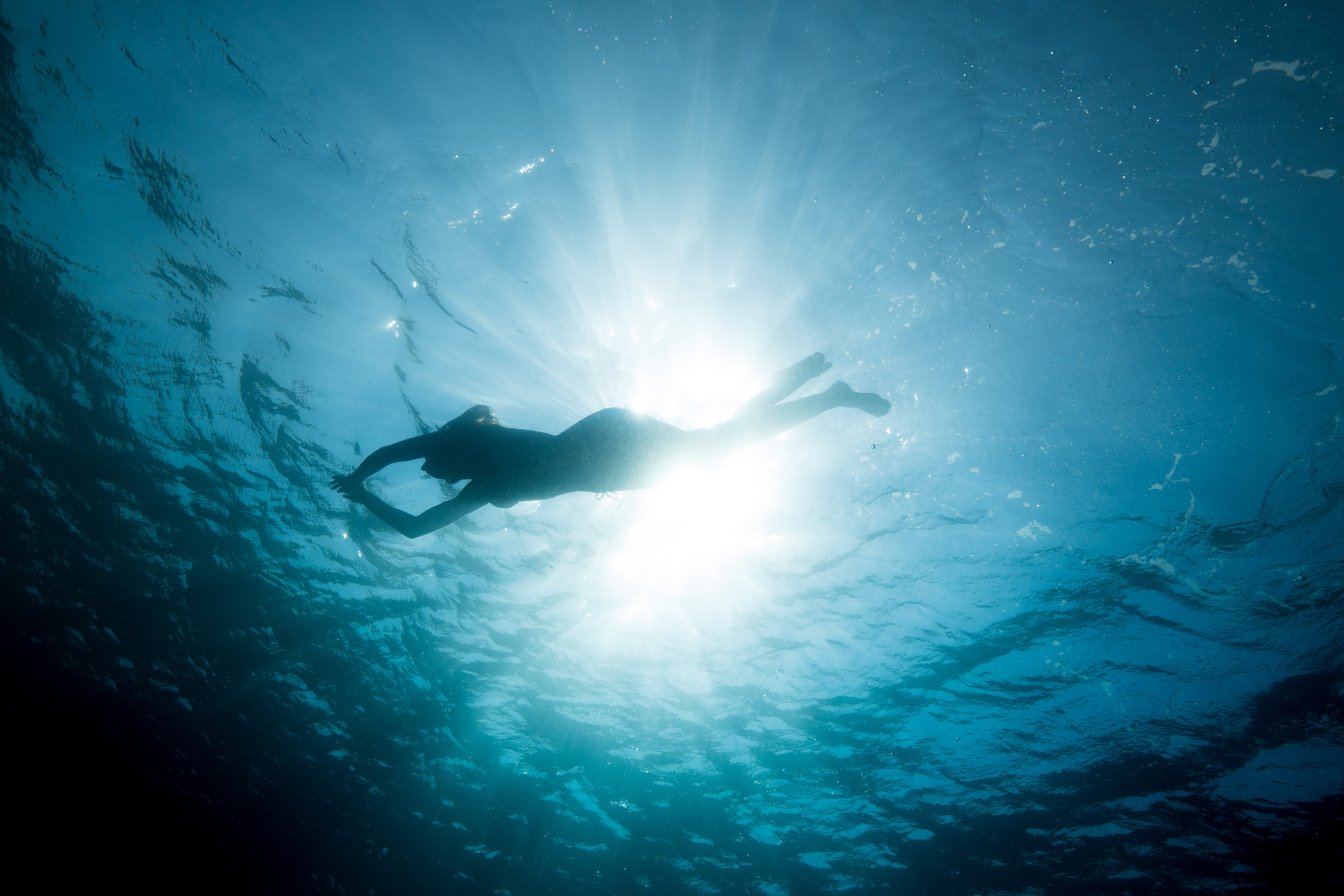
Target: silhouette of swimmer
x: 608, y: 451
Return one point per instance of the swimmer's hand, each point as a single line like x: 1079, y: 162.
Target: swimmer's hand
x: 351, y: 488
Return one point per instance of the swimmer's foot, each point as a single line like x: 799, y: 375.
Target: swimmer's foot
x: 868, y: 402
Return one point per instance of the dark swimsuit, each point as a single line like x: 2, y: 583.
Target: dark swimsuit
x: 615, y: 449
x: 611, y: 450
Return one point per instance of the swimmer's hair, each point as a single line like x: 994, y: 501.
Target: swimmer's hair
x: 476, y: 415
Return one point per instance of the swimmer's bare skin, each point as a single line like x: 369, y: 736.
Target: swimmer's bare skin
x: 610, y: 450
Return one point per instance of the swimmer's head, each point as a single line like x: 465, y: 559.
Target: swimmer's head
x: 456, y: 452
x: 476, y: 415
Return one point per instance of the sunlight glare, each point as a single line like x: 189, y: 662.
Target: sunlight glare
x: 686, y: 559
x: 698, y: 388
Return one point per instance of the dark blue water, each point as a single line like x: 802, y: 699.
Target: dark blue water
x: 1068, y: 620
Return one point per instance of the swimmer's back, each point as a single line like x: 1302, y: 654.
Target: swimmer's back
x: 616, y: 449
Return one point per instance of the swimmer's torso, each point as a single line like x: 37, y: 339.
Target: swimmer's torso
x: 610, y: 450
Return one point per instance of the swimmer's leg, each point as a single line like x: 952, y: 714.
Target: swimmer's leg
x: 786, y: 382
x: 762, y: 423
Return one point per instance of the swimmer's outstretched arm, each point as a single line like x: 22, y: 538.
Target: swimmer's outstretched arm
x: 410, y: 525
x: 352, y: 486
x: 407, y: 449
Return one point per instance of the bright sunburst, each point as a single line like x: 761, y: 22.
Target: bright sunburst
x: 694, y: 525
x: 687, y: 553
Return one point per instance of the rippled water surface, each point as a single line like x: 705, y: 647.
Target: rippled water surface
x: 1068, y: 619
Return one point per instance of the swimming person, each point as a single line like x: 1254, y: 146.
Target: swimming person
x: 608, y: 451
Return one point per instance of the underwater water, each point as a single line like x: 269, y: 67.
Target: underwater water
x: 1069, y: 619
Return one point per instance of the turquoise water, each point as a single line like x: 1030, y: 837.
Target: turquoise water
x: 1068, y: 619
